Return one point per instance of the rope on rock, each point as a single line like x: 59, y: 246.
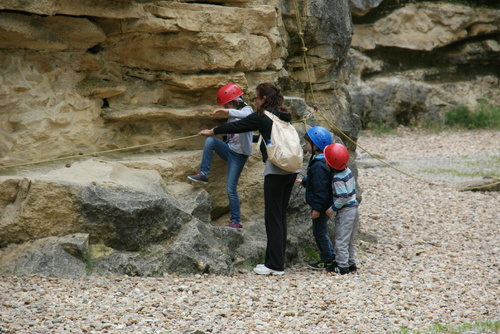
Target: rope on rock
x: 96, y: 153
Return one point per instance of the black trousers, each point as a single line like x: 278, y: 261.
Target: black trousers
x: 277, y: 192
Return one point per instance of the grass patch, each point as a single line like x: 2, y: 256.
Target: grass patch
x: 454, y: 172
x: 379, y: 128
x: 310, y: 254
x: 493, y: 160
x: 486, y: 116
x: 478, y: 327
x: 89, y: 262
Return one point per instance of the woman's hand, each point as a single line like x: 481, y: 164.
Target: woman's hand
x: 206, y: 132
x: 314, y: 214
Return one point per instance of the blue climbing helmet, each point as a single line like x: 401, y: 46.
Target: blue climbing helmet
x: 320, y: 137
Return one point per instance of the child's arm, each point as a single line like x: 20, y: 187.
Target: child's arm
x: 329, y: 212
x: 341, y: 195
x: 220, y: 111
x: 302, y: 181
x: 240, y: 113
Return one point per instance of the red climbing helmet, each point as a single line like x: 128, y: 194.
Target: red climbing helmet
x: 336, y: 156
x: 228, y: 93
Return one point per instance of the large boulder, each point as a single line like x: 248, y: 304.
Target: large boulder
x: 66, y: 256
x: 37, y: 32
x: 427, y: 26
x: 412, y: 62
x: 126, y: 208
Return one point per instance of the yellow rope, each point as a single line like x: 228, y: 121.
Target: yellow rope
x: 99, y: 152
x: 305, y: 64
x: 303, y: 119
x: 306, y: 68
x: 399, y: 170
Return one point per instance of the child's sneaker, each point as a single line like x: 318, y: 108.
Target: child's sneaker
x: 320, y: 265
x: 338, y: 270
x: 234, y: 225
x: 199, y: 178
x: 353, y: 268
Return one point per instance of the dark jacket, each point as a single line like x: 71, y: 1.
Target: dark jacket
x: 318, y: 184
x: 254, y: 122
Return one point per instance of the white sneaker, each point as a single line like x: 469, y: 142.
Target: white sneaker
x: 263, y: 270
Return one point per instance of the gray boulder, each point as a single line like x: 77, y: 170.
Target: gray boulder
x: 127, y: 219
x: 54, y: 256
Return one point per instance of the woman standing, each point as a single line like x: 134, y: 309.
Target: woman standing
x: 278, y: 183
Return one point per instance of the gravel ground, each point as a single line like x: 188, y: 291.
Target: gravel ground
x: 436, y: 261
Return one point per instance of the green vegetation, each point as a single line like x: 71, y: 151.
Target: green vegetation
x: 310, y: 254
x: 88, y: 259
x: 379, y: 128
x: 479, y: 327
x: 486, y: 116
x: 454, y: 172
x: 475, y: 3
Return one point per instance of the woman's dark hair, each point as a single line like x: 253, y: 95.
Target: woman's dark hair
x: 273, y: 98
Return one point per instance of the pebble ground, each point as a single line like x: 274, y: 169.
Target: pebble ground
x: 436, y: 262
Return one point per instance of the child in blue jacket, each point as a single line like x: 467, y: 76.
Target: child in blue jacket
x: 319, y: 194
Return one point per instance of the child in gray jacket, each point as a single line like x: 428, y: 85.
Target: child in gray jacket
x: 345, y: 206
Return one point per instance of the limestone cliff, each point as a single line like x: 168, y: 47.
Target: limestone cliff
x: 414, y: 60
x: 100, y: 75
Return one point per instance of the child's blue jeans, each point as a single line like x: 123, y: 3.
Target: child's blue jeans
x: 235, y: 164
x: 320, y: 233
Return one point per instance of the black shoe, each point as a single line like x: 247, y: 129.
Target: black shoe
x: 338, y: 270
x: 320, y: 265
x: 353, y: 268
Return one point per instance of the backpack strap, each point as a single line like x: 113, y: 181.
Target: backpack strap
x: 272, y: 116
x: 260, y: 140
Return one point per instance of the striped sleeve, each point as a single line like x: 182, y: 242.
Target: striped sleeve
x: 344, y: 190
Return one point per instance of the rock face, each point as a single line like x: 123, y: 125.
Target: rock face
x: 80, y: 79
x: 90, y: 79
x: 415, y: 60
x: 101, y: 75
